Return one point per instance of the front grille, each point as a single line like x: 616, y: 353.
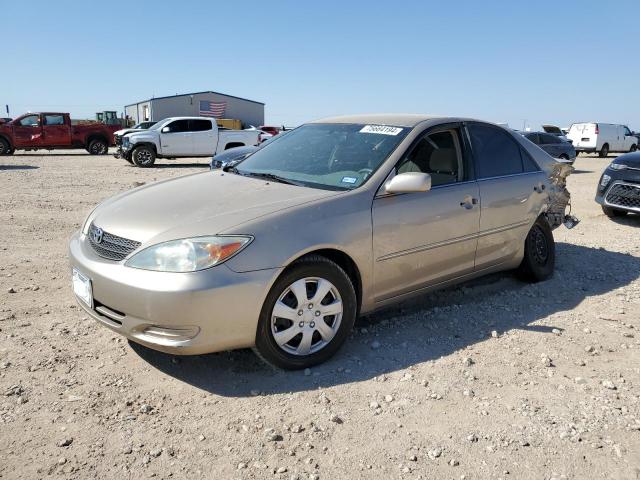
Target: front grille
x: 625, y: 196
x: 111, y: 246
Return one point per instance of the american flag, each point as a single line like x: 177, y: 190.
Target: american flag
x: 212, y: 109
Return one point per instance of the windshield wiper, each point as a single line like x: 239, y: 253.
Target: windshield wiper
x: 266, y: 176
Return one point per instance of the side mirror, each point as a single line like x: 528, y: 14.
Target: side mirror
x: 165, y: 130
x: 409, y: 182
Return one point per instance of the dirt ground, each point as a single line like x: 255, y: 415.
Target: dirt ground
x: 493, y: 379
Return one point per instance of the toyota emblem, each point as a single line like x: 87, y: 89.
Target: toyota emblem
x: 96, y: 235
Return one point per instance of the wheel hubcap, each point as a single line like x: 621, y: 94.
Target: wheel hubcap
x: 303, y: 331
x: 144, y: 157
x: 538, y: 245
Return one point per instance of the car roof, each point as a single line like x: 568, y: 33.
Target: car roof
x: 185, y: 118
x: 396, y: 119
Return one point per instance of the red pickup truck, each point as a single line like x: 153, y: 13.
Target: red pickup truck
x: 51, y: 130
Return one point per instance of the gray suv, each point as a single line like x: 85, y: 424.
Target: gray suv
x: 282, y: 251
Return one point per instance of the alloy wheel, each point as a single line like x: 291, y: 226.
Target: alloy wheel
x: 306, y: 316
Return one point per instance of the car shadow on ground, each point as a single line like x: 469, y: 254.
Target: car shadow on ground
x: 426, y: 328
x: 630, y: 220
x: 18, y: 167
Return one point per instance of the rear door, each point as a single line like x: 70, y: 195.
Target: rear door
x: 27, y: 131
x: 511, y: 189
x: 203, y: 136
x: 55, y: 132
x: 176, y: 139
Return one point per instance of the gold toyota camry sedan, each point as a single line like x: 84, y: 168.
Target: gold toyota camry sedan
x: 283, y: 250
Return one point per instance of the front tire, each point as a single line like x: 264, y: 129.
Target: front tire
x: 5, y: 147
x: 98, y: 147
x: 144, y: 156
x: 633, y: 148
x: 307, y: 315
x: 604, y: 151
x: 539, y: 253
x: 613, y: 212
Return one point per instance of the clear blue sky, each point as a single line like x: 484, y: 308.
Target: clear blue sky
x: 504, y: 61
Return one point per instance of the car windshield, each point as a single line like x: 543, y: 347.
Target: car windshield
x: 329, y: 156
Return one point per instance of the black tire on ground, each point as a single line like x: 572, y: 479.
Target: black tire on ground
x: 143, y: 156
x: 5, y: 147
x: 604, y: 151
x: 130, y: 161
x: 613, y: 212
x: 98, y: 147
x: 577, y: 153
x: 633, y: 148
x: 539, y: 253
x: 310, y: 267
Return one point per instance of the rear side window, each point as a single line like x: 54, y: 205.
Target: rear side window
x: 54, y: 120
x: 495, y: 153
x: 549, y: 139
x: 199, y: 125
x: 533, y: 137
x: 178, y: 126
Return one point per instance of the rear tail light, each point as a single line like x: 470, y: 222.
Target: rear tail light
x: 597, y: 129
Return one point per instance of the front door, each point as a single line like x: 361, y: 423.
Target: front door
x: 176, y: 139
x: 55, y: 132
x: 511, y: 185
x: 27, y: 131
x: 424, y: 238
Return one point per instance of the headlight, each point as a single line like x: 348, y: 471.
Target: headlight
x: 617, y: 166
x: 604, y: 181
x: 189, y: 254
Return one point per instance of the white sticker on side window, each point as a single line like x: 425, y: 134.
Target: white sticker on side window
x: 381, y: 129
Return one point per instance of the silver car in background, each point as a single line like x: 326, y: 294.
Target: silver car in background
x: 342, y: 216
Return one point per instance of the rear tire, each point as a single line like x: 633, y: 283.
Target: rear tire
x: 303, y: 343
x: 613, y: 212
x: 5, y: 147
x: 539, y: 253
x: 604, y: 151
x: 98, y: 147
x: 143, y: 156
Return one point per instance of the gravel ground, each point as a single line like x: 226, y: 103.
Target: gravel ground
x: 493, y: 379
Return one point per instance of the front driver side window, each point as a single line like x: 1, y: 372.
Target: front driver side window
x: 437, y: 154
x: 178, y: 126
x: 30, y: 121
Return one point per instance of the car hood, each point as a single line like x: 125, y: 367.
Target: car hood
x: 196, y: 205
x: 629, y: 159
x: 124, y: 131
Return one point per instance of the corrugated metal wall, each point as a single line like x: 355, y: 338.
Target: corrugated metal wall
x: 249, y: 113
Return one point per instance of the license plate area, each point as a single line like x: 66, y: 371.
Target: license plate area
x: 82, y: 287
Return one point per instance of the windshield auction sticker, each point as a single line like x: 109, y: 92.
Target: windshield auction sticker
x: 381, y: 129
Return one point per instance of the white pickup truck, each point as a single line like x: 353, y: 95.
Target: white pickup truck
x: 182, y: 137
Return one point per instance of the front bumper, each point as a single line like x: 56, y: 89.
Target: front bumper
x: 620, y: 195
x: 180, y: 313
